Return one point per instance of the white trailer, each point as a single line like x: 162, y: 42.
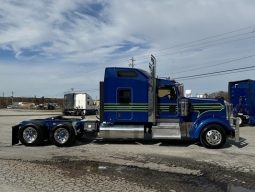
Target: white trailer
x: 79, y: 103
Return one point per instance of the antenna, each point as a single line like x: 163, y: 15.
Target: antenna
x: 132, y: 64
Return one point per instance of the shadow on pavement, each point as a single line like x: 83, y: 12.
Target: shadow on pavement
x: 84, y: 141
x: 241, y: 144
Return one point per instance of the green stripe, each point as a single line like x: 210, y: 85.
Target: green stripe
x: 125, y: 109
x: 207, y: 107
x: 202, y: 108
x: 132, y: 104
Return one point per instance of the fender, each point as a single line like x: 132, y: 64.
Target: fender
x: 200, y: 124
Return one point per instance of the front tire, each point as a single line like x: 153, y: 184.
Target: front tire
x: 213, y: 136
x: 62, y: 136
x: 31, y: 135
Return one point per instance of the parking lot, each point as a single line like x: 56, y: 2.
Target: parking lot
x: 123, y: 165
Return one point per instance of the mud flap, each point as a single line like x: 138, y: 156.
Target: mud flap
x: 15, y: 134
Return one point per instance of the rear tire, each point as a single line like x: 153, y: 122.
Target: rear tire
x: 213, y: 136
x: 62, y: 136
x: 31, y: 135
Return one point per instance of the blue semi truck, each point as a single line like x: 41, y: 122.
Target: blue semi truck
x: 135, y: 104
x: 242, y: 96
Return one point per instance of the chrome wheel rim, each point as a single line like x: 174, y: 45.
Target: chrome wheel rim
x: 213, y: 137
x: 61, y: 135
x: 30, y: 134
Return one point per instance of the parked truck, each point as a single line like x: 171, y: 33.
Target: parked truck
x: 135, y: 104
x: 78, y: 103
x: 242, y: 96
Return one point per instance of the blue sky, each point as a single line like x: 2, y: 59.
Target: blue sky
x: 48, y: 47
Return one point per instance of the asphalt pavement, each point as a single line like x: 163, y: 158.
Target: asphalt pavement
x: 123, y: 165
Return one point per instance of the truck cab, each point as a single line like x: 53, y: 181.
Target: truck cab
x: 136, y: 104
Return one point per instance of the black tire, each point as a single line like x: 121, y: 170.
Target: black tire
x: 31, y: 135
x: 213, y: 136
x: 62, y: 136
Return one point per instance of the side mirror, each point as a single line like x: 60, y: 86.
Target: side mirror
x: 184, y: 107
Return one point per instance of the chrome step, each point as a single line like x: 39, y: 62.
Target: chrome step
x: 121, y: 132
x: 166, y: 131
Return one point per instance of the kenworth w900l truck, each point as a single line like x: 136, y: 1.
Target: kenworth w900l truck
x: 134, y: 104
x: 242, y: 96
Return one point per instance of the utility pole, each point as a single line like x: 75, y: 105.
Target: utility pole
x: 12, y: 97
x: 2, y: 101
x: 132, y: 64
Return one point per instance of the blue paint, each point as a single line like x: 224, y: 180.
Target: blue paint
x: 242, y: 96
x: 126, y: 100
x: 202, y: 112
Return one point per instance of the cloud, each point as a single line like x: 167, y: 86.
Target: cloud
x: 72, y: 40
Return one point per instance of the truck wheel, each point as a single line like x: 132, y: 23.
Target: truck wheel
x: 30, y: 135
x: 213, y: 136
x: 62, y: 136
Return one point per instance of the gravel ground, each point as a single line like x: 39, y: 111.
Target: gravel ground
x: 31, y: 176
x: 124, y: 165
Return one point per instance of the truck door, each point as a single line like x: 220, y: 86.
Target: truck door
x: 124, y: 99
x: 167, y: 102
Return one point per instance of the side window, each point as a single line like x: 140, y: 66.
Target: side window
x: 169, y: 92
x: 124, y: 96
x: 129, y: 73
x: 163, y: 92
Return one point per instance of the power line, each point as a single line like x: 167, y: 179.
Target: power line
x: 216, y: 72
x: 213, y: 40
x: 205, y: 46
x: 227, y: 73
x: 214, y: 65
x: 212, y: 37
x: 202, y: 46
x: 201, y: 40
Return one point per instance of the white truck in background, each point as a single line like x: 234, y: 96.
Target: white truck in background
x: 79, y: 103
